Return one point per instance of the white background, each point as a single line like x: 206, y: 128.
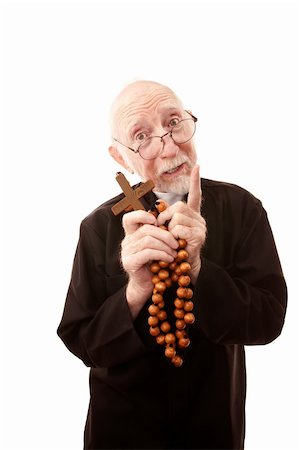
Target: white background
x: 235, y: 65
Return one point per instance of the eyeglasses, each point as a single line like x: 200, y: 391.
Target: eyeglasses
x: 152, y: 147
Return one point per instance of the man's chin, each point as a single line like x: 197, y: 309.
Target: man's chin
x: 179, y: 185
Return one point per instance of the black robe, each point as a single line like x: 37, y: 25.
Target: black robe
x: 138, y: 400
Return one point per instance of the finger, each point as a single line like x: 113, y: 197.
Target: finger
x: 194, y: 196
x: 151, y: 243
x: 155, y: 232
x: 133, y: 220
x: 181, y: 219
x: 170, y: 211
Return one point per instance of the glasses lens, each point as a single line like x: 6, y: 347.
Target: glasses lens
x: 183, y: 131
x: 151, y: 148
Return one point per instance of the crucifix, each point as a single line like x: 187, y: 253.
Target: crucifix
x: 132, y: 196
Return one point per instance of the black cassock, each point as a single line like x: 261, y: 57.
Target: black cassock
x: 138, y: 400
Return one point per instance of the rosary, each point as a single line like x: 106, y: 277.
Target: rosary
x: 164, y: 276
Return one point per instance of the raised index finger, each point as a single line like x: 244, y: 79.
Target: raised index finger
x: 194, y: 196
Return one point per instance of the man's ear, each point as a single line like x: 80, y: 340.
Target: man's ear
x: 116, y: 155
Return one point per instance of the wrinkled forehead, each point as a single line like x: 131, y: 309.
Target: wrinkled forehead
x: 142, y: 100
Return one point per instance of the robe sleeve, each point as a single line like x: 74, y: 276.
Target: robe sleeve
x: 245, y: 303
x: 96, y: 324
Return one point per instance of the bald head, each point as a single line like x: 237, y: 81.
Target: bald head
x: 139, y: 95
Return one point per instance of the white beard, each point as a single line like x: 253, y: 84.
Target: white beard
x: 180, y: 184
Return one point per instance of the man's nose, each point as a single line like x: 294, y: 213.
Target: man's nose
x: 170, y: 148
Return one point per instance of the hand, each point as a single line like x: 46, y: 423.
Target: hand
x: 186, y: 222
x: 144, y: 242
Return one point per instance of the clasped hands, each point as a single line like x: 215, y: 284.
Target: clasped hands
x: 145, y: 242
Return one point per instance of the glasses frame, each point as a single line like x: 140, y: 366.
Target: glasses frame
x: 162, y: 138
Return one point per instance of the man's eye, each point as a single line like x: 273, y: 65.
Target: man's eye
x: 174, y: 122
x: 140, y: 137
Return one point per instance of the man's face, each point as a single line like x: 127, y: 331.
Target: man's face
x: 151, y: 110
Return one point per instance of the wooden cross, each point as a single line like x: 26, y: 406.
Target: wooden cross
x: 132, y: 196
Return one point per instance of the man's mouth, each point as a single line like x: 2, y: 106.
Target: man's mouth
x: 174, y: 171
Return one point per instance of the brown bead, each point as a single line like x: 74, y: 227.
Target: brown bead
x: 185, y: 267
x: 181, y: 334
x: 184, y: 342
x: 155, y: 291
x: 180, y: 324
x: 157, y: 298
x: 155, y: 279
x: 169, y: 352
x: 182, y: 243
x: 165, y: 327
x: 189, y: 293
x: 181, y: 292
x: 170, y: 338
x: 153, y: 321
x: 154, y: 267
x: 162, y: 315
x: 189, y: 317
x: 178, y: 271
x: 160, y: 286
x: 174, y: 277
x: 154, y: 331
x: 188, y: 306
x: 172, y: 266
x: 184, y: 280
x: 161, y: 206
x: 163, y: 274
x: 160, y: 339
x: 153, y: 310
x: 161, y: 304
x: 168, y: 282
x: 179, y: 313
x: 163, y: 264
x: 179, y: 303
x: 163, y: 227
x: 182, y: 255
x: 177, y: 361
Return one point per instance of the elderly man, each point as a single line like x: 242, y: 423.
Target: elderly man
x: 138, y: 398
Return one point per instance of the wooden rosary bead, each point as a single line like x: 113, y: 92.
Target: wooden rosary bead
x: 161, y: 304
x: 165, y: 327
x: 169, y: 352
x: 162, y: 315
x: 188, y: 306
x: 163, y: 274
x: 154, y: 331
x: 177, y: 361
x: 189, y: 293
x: 182, y: 255
x: 185, y: 267
x: 180, y: 334
x: 182, y: 243
x: 160, y: 286
x: 157, y: 298
x: 174, y: 277
x: 178, y: 271
x: 172, y: 266
x: 181, y: 292
x: 189, y: 318
x: 155, y: 279
x: 184, y: 280
x: 180, y: 324
x: 170, y: 338
x: 160, y: 339
x: 179, y: 303
x: 153, y: 321
x: 163, y: 264
x: 154, y: 267
x: 184, y: 342
x: 160, y: 206
x: 163, y: 227
x: 168, y: 282
x: 153, y: 310
x: 179, y: 313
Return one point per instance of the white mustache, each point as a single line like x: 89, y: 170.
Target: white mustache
x: 173, y: 163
